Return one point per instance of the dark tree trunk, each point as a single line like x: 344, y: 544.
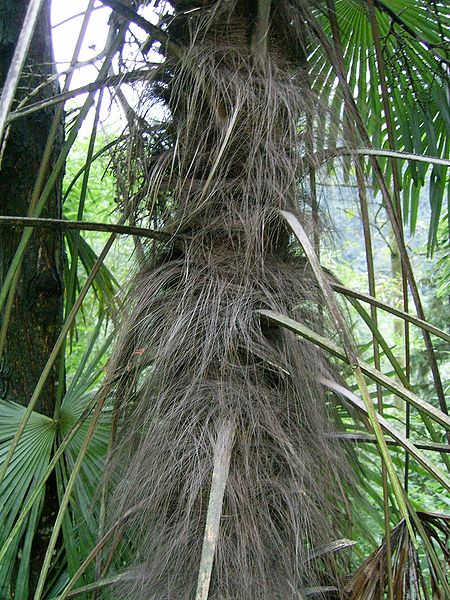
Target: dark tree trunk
x: 37, y: 312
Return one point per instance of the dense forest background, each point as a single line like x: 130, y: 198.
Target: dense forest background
x: 80, y: 148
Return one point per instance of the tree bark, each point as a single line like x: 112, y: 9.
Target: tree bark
x: 37, y: 312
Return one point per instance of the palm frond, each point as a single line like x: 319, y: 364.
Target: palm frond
x: 413, y: 37
x: 24, y: 472
x: 413, y: 572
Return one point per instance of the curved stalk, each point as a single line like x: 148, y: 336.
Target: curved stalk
x: 358, y: 124
x: 353, y: 361
x: 403, y: 441
x: 367, y: 370
x: 391, y: 310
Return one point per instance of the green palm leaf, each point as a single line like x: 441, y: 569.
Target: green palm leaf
x: 30, y: 462
x: 418, y: 87
x: 105, y: 284
x: 24, y: 472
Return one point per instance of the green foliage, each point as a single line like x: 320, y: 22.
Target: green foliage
x: 29, y: 463
x: 29, y: 469
x: 413, y: 41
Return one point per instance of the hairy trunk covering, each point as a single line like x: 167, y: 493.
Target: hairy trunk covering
x: 194, y: 353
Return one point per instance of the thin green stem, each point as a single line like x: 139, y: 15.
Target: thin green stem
x: 67, y: 494
x: 372, y: 289
x: 391, y: 310
x: 400, y: 439
x: 373, y: 374
x: 99, y: 546
x: 353, y: 361
x: 397, y: 203
x: 138, y: 74
x: 71, y: 286
x: 397, y: 368
x: 371, y: 439
x: 92, y: 587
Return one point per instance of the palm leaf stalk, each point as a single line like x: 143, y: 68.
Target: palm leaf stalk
x: 397, y: 200
x: 367, y: 370
x: 359, y: 171
x: 354, y: 362
x: 71, y: 279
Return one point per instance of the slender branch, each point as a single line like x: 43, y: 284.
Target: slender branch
x: 375, y: 376
x: 85, y: 226
x: 71, y: 18
x: 359, y: 169
x: 353, y: 360
x: 356, y: 402
x: 397, y: 202
x: 112, y: 81
x: 93, y: 587
x: 390, y: 309
x: 97, y: 548
x: 80, y: 172
x: 156, y: 32
x: 371, y: 439
x: 55, y: 76
x: 434, y: 160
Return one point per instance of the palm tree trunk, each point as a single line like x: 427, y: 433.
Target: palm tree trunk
x: 194, y: 352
